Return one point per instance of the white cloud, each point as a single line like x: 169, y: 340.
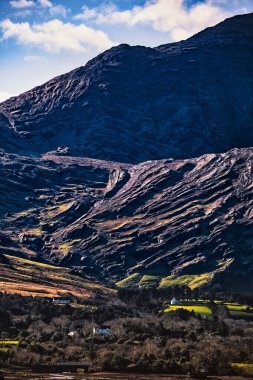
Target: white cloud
x: 58, y: 10
x: 19, y: 4
x: 54, y: 36
x: 167, y: 16
x: 31, y: 58
x: 5, y: 95
x: 54, y: 10
x: 45, y: 3
x: 88, y: 13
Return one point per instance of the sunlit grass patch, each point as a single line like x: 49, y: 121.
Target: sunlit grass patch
x: 146, y: 280
x: 53, y: 211
x: 23, y: 213
x: 193, y: 281
x: 33, y: 231
x: 138, y: 279
x: 235, y: 309
x: 66, y: 247
x: 34, y: 278
x: 86, y: 307
x: 130, y: 280
x: 238, y: 307
x: 149, y: 280
x: 246, y: 368
x: 9, y: 342
x: 31, y: 262
x: 198, y: 309
x: 239, y: 311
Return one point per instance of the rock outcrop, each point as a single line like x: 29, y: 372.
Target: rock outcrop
x: 159, y: 218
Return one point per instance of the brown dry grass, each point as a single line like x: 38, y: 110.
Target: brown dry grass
x: 27, y: 277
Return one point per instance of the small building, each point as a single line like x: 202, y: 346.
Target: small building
x: 62, y: 300
x: 174, y: 301
x: 102, y: 330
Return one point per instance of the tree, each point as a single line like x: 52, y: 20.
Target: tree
x: 5, y: 320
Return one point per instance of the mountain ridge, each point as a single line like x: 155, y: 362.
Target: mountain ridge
x: 131, y: 104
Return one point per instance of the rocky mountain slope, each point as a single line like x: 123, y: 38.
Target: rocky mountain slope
x: 186, y: 221
x: 132, y: 104
x: 130, y: 214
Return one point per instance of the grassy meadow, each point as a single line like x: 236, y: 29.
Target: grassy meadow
x: 245, y: 368
x: 202, y: 307
x: 197, y: 309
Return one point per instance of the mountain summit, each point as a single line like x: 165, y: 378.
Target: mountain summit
x: 132, y: 104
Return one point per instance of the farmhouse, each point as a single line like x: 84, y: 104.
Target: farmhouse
x: 62, y: 300
x: 102, y: 330
x: 174, y: 301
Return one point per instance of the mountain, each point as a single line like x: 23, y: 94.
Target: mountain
x: 132, y: 104
x: 185, y: 221
x: 157, y: 202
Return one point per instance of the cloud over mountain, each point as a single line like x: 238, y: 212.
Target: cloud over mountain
x: 169, y: 16
x: 55, y: 35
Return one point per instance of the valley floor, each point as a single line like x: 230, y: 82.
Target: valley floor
x: 145, y: 335
x: 10, y: 375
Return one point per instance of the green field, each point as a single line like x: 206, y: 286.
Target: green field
x: 236, y: 310
x: 239, y: 311
x: 246, y: 368
x: 198, y: 309
x: 9, y: 342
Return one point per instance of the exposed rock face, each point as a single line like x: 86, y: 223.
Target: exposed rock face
x: 110, y: 219
x: 132, y: 104
x: 161, y: 218
x: 29, y: 181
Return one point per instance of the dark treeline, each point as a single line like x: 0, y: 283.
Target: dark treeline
x: 146, y: 295
x: 143, y: 338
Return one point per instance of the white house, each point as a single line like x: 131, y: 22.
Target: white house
x: 174, y: 302
x: 62, y: 300
x: 102, y: 330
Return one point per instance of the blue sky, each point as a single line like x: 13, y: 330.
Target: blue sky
x: 40, y: 39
